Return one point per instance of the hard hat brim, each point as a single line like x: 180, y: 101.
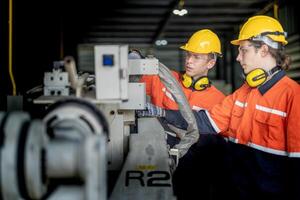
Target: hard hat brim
x: 219, y: 54
x: 235, y: 42
x: 183, y: 48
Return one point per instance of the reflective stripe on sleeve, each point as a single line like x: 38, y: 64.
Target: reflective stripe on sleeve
x: 231, y: 139
x: 214, y: 125
x: 168, y: 94
x: 267, y: 149
x: 270, y: 110
x: 274, y: 151
x: 294, y: 155
x: 197, y: 108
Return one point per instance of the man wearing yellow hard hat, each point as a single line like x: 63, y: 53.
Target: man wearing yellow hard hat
x: 202, y: 50
x: 260, y: 120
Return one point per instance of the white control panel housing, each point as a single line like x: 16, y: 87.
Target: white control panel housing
x: 111, y: 72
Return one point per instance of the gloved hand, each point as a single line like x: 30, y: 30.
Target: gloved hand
x: 151, y: 111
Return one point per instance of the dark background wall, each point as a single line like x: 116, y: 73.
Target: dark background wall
x: 46, y: 31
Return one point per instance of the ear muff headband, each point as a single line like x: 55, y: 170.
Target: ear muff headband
x: 187, y: 81
x: 258, y: 76
x: 200, y: 84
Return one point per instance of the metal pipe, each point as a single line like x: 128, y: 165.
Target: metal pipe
x: 70, y: 67
x: 171, y: 84
x: 81, y: 81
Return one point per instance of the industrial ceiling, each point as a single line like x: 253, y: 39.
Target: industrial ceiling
x: 145, y: 22
x: 46, y: 31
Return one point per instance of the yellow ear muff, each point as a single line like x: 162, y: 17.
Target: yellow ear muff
x: 201, y: 83
x: 187, y: 81
x: 256, y: 77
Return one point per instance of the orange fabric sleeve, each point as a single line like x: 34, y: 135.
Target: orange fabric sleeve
x: 293, y: 125
x: 147, y: 79
x: 221, y: 113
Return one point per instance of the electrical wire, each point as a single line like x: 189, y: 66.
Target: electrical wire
x: 275, y: 9
x: 10, y: 49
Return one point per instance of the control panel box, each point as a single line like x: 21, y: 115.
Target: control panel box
x: 111, y: 72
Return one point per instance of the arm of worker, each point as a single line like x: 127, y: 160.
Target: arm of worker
x: 293, y: 143
x: 175, y: 118
x: 214, y: 121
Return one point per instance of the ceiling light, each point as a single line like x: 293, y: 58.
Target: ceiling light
x: 161, y: 42
x: 180, y: 11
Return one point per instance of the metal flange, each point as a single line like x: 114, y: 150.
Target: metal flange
x: 77, y: 116
x: 15, y: 125
x: 34, y: 173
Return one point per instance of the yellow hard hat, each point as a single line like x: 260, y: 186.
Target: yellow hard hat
x: 261, y: 25
x: 203, y: 41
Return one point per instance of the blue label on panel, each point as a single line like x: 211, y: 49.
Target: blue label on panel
x: 108, y: 60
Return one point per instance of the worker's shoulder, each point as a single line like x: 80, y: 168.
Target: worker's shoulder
x: 215, y: 91
x: 289, y: 84
x: 176, y: 74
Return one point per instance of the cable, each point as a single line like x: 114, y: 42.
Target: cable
x: 275, y: 9
x: 10, y: 47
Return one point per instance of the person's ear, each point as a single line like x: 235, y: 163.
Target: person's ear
x: 264, y: 50
x: 211, y: 63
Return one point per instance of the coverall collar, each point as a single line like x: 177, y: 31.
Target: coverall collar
x: 269, y: 84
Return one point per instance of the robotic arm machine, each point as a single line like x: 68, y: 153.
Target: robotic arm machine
x: 83, y: 136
